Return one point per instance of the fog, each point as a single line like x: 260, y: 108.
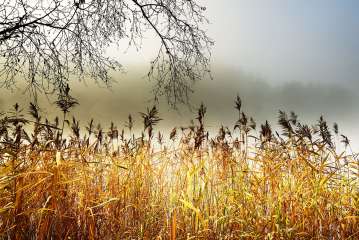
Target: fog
x: 261, y: 99
x: 300, y: 56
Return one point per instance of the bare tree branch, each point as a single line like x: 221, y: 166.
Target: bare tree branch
x: 48, y: 42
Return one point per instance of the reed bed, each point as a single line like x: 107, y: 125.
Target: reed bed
x: 246, y: 182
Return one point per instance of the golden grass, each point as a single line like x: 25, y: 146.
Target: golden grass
x: 189, y: 186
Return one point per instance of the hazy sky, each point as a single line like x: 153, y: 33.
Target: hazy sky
x: 283, y: 40
x: 278, y: 54
x: 288, y: 40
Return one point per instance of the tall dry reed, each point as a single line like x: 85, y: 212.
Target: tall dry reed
x: 242, y: 183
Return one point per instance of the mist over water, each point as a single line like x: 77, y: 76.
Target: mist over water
x: 262, y: 100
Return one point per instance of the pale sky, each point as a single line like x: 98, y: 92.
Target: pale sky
x: 288, y: 40
x: 282, y: 40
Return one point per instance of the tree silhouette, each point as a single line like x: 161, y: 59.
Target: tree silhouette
x: 49, y: 42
